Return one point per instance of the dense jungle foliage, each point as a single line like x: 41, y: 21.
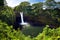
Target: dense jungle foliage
x: 8, y: 33
x: 7, y: 15
x: 32, y: 13
x: 35, y: 11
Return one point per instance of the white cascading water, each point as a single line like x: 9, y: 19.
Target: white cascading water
x: 22, y: 20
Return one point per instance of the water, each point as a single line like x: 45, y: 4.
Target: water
x: 22, y: 20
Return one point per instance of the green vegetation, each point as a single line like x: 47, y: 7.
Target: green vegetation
x: 1, y: 2
x: 34, y: 13
x: 8, y: 33
x: 7, y: 15
x: 49, y: 34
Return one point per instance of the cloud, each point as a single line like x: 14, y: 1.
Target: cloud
x: 57, y: 0
x: 13, y: 3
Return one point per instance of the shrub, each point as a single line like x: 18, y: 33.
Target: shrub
x: 7, y: 15
x: 8, y: 33
x: 49, y: 34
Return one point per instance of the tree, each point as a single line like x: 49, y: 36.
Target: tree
x: 49, y: 0
x: 7, y: 15
x: 50, y: 4
x: 37, y: 8
x: 58, y: 2
x: 24, y: 7
x: 1, y: 2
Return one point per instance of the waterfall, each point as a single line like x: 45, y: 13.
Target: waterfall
x: 22, y: 20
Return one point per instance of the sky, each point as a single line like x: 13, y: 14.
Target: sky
x: 13, y: 3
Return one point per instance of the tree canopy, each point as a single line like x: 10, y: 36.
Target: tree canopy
x: 1, y: 2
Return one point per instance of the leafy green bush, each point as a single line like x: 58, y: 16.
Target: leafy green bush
x: 49, y: 34
x: 8, y: 33
x: 7, y: 15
